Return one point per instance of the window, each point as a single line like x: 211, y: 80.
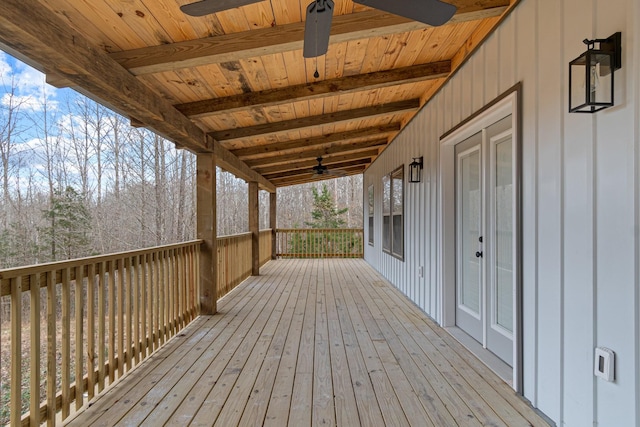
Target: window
x: 386, y: 213
x: 371, y: 214
x: 393, y: 213
x: 397, y: 212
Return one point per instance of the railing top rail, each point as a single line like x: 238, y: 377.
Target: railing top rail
x: 246, y: 234
x: 316, y: 229
x: 234, y: 236
x: 11, y: 273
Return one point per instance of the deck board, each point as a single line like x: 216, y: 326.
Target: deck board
x: 312, y: 342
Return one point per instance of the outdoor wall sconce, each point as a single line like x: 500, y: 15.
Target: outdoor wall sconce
x: 591, y: 75
x: 415, y: 169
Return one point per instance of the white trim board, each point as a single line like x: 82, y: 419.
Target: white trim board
x: 504, y: 106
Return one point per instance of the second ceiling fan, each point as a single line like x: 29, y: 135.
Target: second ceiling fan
x: 320, y: 12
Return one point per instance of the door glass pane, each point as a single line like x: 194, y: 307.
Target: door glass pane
x: 470, y: 205
x: 504, y: 234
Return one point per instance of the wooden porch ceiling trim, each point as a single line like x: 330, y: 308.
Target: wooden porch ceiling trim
x: 326, y: 160
x: 322, y: 119
x: 314, y: 142
x: 309, y: 91
x: 37, y: 34
x: 335, y: 166
x: 303, y: 179
x: 284, y: 38
x: 312, y: 154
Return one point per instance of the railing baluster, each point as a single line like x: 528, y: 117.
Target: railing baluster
x: 52, y: 366
x: 79, y: 359
x: 120, y: 284
x: 101, y: 324
x: 156, y: 301
x: 66, y: 343
x: 91, y: 300
x: 136, y: 307
x: 179, y: 288
x: 16, y: 350
x: 34, y: 379
x: 142, y: 273
x: 127, y: 303
x: 161, y: 297
x: 112, y: 320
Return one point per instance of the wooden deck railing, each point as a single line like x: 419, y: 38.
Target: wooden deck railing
x: 76, y: 326
x: 265, y: 246
x: 234, y: 258
x: 320, y: 243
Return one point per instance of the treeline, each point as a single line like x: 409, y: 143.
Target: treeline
x: 77, y: 180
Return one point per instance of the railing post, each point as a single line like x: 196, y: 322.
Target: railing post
x: 272, y: 222
x: 206, y: 226
x: 254, y: 226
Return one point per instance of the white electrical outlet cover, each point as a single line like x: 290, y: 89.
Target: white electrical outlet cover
x: 604, y: 363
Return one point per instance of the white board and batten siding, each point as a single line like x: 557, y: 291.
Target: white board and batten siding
x: 580, y: 212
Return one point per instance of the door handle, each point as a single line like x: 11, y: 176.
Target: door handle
x: 478, y: 254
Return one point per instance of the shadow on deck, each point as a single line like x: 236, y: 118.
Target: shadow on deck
x: 312, y: 342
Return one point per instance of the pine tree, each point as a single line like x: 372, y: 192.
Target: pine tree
x: 70, y: 222
x: 325, y: 214
x: 327, y: 219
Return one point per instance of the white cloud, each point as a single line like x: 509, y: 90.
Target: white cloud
x: 29, y: 85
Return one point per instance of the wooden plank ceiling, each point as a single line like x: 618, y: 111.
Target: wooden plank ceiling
x: 237, y: 81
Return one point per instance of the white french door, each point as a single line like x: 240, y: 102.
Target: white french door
x: 485, y: 237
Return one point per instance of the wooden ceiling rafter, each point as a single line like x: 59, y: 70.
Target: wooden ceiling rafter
x: 313, y: 121
x: 312, y: 154
x: 315, y: 90
x: 326, y: 160
x: 334, y: 166
x: 312, y: 143
x: 283, y: 38
x: 303, y: 179
x: 38, y: 34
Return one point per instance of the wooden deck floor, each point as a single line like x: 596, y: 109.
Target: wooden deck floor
x: 312, y: 342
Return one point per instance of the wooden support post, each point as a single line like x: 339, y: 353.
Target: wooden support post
x: 254, y: 228
x: 272, y: 222
x: 206, y: 226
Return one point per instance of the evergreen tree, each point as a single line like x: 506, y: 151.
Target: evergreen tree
x: 69, y: 225
x: 325, y: 214
x: 328, y: 240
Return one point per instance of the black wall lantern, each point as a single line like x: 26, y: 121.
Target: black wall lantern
x: 591, y: 75
x: 415, y: 169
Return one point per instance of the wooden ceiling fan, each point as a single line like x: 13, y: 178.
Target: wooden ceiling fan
x: 320, y: 13
x: 322, y: 170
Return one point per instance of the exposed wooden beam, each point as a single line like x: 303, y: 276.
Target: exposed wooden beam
x: 314, y: 142
x: 284, y: 38
x: 311, y: 121
x: 42, y: 37
x: 303, y: 179
x: 326, y: 160
x: 312, y: 154
x: 40, y: 34
x: 229, y: 162
x: 336, y: 166
x: 308, y: 91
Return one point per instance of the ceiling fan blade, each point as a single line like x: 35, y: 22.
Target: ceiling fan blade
x: 336, y: 172
x: 317, y: 28
x: 431, y: 12
x: 206, y: 7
